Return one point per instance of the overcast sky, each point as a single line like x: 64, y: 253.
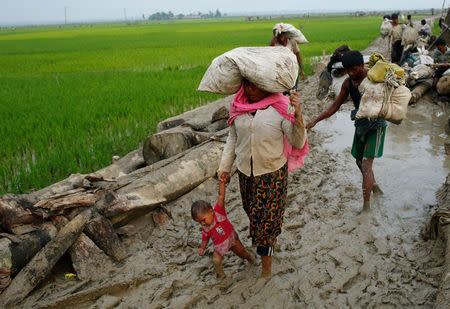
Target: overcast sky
x: 53, y: 11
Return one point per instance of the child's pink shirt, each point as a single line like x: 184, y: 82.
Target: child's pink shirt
x: 220, y: 229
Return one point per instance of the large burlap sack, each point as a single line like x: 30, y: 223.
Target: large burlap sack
x: 271, y: 68
x: 421, y: 71
x: 377, y: 73
x: 409, y: 36
x: 443, y: 85
x: 446, y: 73
x: 290, y: 31
x: 386, y: 28
x: 382, y: 101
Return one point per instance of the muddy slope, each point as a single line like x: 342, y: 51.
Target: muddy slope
x: 330, y: 255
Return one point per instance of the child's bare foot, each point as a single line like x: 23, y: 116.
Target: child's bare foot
x: 218, y: 268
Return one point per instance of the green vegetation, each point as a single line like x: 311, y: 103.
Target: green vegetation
x: 72, y: 97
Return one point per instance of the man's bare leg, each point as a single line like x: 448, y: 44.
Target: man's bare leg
x: 368, y: 181
x: 375, y: 188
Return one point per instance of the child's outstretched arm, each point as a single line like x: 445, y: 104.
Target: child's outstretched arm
x: 222, y: 189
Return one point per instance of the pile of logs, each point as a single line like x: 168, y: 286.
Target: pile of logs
x: 80, y: 214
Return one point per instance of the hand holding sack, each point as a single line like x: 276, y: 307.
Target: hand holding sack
x: 272, y: 68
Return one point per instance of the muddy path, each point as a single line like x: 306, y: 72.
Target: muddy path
x: 330, y: 255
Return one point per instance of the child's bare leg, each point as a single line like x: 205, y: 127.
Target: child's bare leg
x: 217, y: 262
x: 241, y: 252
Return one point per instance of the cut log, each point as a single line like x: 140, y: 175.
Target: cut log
x: 72, y: 182
x: 167, y: 183
x: 199, y: 118
x: 101, y: 231
x: 88, y: 260
x: 125, y: 165
x: 418, y: 92
x: 43, y: 262
x: 170, y: 142
x: 58, y: 204
x: 15, y: 210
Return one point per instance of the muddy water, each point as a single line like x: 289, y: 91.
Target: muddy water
x: 413, y: 165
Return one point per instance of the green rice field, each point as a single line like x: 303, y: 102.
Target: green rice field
x: 73, y: 96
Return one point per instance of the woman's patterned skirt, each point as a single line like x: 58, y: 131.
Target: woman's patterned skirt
x: 264, y: 201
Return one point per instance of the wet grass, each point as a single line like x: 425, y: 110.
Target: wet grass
x: 72, y: 97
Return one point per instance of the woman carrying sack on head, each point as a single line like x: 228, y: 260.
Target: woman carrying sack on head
x: 266, y: 142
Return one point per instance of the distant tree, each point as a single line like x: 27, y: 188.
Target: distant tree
x: 180, y: 16
x: 218, y: 14
x: 143, y: 16
x: 432, y: 11
x: 161, y: 16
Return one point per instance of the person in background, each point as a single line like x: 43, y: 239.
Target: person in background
x: 426, y: 29
x: 442, y: 58
x: 409, y: 21
x: 395, y: 39
x: 282, y: 40
x: 368, y: 140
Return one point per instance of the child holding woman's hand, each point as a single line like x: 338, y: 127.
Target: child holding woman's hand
x: 215, y: 225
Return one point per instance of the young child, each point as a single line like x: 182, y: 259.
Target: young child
x: 215, y: 225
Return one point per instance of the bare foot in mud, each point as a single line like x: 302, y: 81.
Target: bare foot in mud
x: 376, y: 189
x: 218, y: 268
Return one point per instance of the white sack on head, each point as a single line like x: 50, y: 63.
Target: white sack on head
x: 373, y: 104
x: 385, y: 28
x: 291, y: 32
x: 271, y: 68
x: 409, y: 36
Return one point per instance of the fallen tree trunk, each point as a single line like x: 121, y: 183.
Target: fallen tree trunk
x: 166, y: 183
x: 101, y: 231
x: 200, y: 118
x: 418, y: 92
x: 88, y: 260
x: 15, y: 210
x: 170, y: 142
x: 43, y: 262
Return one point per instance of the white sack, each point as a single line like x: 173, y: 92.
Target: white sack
x: 271, y: 68
x: 446, y: 73
x: 409, y: 36
x: 291, y: 32
x: 372, y: 102
x: 421, y: 71
x: 386, y: 28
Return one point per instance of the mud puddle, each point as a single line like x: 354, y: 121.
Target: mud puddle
x: 413, y: 166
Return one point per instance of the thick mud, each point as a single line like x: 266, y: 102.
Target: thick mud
x: 330, y: 255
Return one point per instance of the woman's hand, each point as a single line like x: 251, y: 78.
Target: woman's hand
x: 201, y: 251
x: 295, y: 101
x: 223, y: 176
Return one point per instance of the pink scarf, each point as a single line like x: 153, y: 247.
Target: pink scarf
x: 240, y: 105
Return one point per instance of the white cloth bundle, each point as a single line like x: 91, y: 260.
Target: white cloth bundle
x: 291, y: 32
x: 271, y: 68
x: 380, y: 100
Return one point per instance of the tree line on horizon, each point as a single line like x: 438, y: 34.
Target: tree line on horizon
x: 171, y: 15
